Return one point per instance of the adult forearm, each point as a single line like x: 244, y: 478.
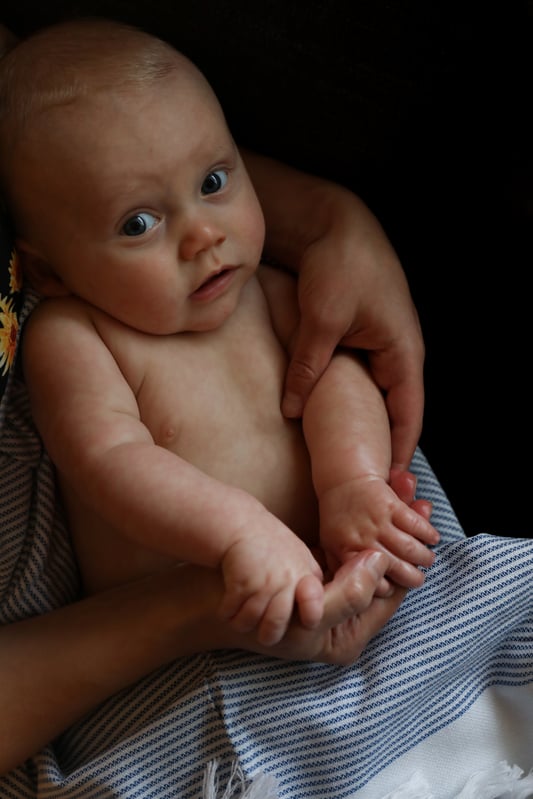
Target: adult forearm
x: 300, y: 209
x: 56, y: 667
x: 7, y: 39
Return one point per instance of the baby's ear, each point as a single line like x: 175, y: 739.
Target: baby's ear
x: 38, y: 272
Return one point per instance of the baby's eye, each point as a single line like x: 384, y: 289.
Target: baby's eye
x: 138, y: 224
x: 215, y: 181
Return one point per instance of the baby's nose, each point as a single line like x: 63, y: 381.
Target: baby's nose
x: 200, y: 237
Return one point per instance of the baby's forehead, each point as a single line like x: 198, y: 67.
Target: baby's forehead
x: 90, y: 94
x: 66, y: 62
x: 66, y: 73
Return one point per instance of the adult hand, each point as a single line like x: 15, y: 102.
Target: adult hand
x: 353, y: 615
x: 352, y: 291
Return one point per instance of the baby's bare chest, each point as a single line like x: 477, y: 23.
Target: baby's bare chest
x: 204, y: 392
x: 214, y: 399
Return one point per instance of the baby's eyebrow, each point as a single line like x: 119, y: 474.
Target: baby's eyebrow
x: 119, y: 195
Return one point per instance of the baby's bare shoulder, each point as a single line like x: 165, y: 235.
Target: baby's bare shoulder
x: 52, y: 325
x: 59, y: 316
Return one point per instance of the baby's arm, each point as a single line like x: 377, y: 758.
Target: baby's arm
x: 89, y: 420
x: 348, y: 435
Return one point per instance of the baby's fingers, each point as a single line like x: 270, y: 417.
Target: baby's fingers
x: 406, y: 548
x: 405, y: 574
x: 423, y: 507
x: 414, y: 521
x: 276, y: 618
x: 310, y: 600
x: 408, y: 555
x: 243, y: 611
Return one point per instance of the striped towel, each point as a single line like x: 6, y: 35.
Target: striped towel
x: 441, y: 699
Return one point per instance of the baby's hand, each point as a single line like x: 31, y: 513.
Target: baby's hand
x: 266, y: 571
x: 367, y: 514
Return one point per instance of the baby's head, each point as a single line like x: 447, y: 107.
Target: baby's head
x: 115, y: 161
x: 67, y: 66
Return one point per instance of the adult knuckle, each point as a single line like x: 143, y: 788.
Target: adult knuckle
x: 303, y: 370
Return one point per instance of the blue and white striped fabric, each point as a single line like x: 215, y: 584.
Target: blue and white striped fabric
x: 444, y: 690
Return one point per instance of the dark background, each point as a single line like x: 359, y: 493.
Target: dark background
x: 421, y: 108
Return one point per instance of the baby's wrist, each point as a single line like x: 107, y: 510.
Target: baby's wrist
x: 356, y: 483
x: 237, y: 521
x: 245, y: 522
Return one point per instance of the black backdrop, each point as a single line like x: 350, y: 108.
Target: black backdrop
x: 422, y: 108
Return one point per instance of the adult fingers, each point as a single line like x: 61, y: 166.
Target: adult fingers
x: 310, y: 356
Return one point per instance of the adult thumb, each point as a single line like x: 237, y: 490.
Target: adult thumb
x: 311, y: 354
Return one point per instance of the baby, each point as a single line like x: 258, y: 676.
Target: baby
x: 155, y: 361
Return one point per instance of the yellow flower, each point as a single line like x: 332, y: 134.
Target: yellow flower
x: 8, y: 334
x: 15, y: 272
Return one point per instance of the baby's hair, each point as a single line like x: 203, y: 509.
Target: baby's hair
x: 67, y: 61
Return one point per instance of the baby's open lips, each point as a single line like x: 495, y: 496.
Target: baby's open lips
x: 214, y: 283
x: 215, y: 276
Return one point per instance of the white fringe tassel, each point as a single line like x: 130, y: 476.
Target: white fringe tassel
x: 502, y: 781
x: 499, y: 782
x: 262, y: 786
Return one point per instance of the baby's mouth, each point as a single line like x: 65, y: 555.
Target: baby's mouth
x: 214, y: 284
x: 212, y: 279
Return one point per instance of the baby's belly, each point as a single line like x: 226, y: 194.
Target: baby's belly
x: 267, y: 458
x: 274, y: 468
x: 281, y: 479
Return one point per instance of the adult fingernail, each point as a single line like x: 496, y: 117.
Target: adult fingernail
x: 374, y: 561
